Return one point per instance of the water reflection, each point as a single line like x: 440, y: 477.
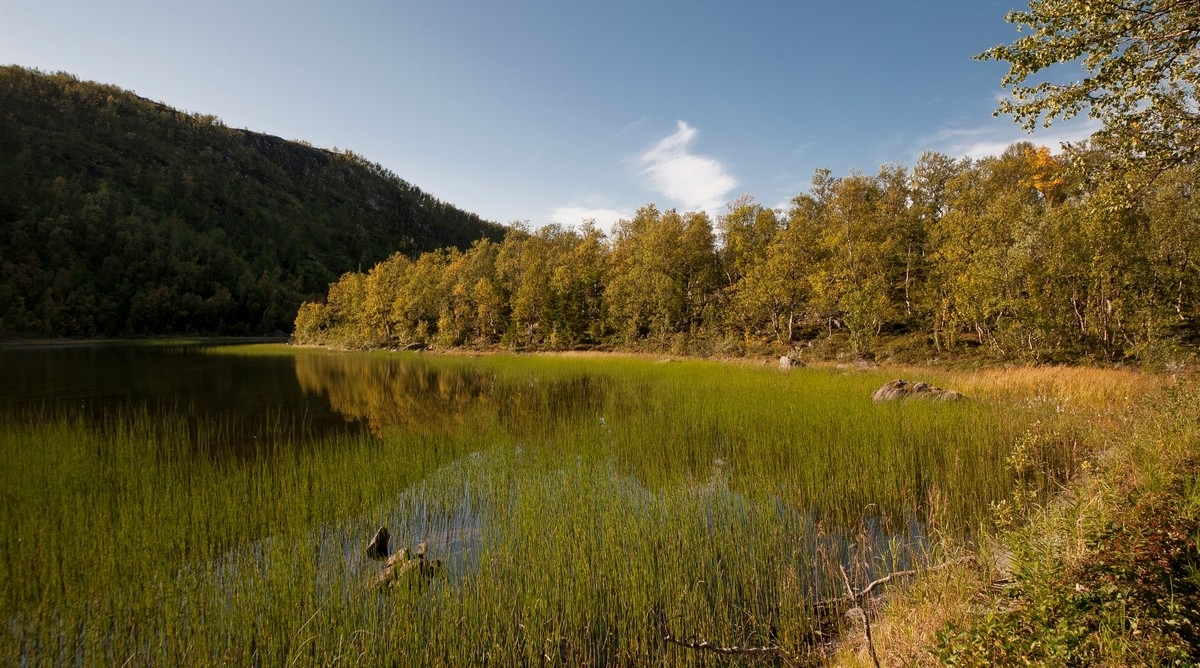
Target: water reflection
x: 254, y: 405
x: 233, y: 405
x: 412, y: 395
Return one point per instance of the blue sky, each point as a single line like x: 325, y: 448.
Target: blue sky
x: 556, y: 111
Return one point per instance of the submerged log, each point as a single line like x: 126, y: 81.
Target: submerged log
x: 904, y: 389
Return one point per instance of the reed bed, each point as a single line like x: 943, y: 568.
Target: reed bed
x: 582, y: 508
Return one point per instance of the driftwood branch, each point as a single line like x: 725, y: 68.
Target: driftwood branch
x: 859, y: 598
x: 699, y: 645
x: 899, y: 574
x: 788, y: 660
x: 866, y: 617
x: 705, y: 646
x: 853, y: 597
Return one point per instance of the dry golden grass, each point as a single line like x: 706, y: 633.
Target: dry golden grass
x: 1092, y: 387
x: 909, y: 617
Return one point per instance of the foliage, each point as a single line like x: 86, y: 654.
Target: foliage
x: 1109, y: 575
x: 1142, y: 65
x: 121, y: 216
x: 1136, y: 587
x: 1021, y: 256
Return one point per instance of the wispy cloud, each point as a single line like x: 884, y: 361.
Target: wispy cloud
x: 576, y: 215
x: 535, y: 157
x: 697, y: 182
x: 629, y: 127
x: 993, y: 138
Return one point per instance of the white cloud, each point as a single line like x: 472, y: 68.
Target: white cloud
x: 697, y: 182
x: 993, y: 138
x: 575, y: 215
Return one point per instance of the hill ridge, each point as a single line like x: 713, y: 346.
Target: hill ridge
x: 123, y: 216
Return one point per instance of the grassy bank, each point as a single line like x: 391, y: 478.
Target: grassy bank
x: 1104, y: 572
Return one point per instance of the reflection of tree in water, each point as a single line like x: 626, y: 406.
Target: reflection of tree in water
x: 223, y: 405
x: 440, y: 397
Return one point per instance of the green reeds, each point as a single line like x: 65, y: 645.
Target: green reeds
x: 582, y: 508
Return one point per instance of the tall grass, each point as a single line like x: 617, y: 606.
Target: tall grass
x: 580, y: 507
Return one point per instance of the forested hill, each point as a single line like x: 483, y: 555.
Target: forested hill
x: 122, y: 216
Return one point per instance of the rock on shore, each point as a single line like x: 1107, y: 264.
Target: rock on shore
x: 906, y: 389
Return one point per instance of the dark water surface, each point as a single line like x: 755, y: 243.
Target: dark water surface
x: 248, y: 405
x: 240, y: 398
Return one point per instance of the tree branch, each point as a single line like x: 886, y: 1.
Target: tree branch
x: 866, y: 617
x: 705, y: 646
x: 865, y: 591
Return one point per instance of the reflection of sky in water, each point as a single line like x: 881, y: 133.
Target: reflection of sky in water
x: 451, y: 530
x: 455, y: 515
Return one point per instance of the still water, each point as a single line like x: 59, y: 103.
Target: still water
x: 262, y: 403
x: 250, y: 396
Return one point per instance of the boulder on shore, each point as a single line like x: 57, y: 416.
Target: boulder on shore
x: 905, y: 389
x: 787, y: 362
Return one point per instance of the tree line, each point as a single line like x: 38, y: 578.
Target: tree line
x: 1026, y: 255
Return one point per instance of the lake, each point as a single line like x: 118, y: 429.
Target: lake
x: 211, y: 504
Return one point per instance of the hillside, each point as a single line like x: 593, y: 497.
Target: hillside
x: 121, y: 216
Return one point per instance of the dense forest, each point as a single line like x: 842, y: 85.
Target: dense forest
x: 121, y: 216
x: 1027, y: 255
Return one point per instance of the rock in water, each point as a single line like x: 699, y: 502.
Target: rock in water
x: 407, y: 571
x: 378, y: 548
x: 904, y: 389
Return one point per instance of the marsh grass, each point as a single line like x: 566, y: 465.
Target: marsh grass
x: 578, y: 504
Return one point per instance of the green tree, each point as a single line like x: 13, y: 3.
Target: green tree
x: 647, y: 291
x: 524, y: 266
x: 377, y: 312
x: 577, y: 281
x: 927, y: 188
x: 774, y: 297
x: 343, y: 307
x: 1172, y: 213
x: 700, y: 272
x: 981, y: 244
x: 861, y: 251
x: 746, y: 228
x: 475, y: 304
x: 417, y: 305
x: 1141, y: 60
